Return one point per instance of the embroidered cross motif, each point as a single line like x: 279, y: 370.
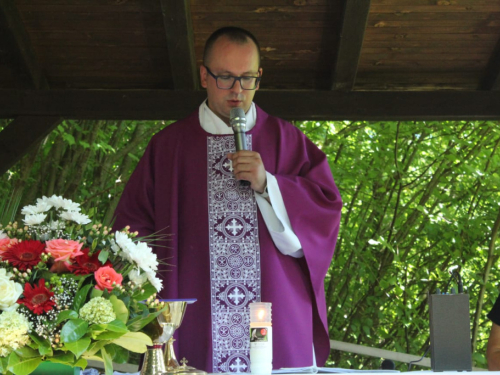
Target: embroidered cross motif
x: 238, y: 366
x: 234, y: 227
x: 236, y: 296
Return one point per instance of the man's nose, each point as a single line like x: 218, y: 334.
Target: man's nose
x: 237, y: 86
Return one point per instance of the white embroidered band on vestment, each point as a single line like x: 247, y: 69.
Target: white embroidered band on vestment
x: 234, y: 258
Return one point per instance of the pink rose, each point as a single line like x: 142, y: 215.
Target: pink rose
x: 63, y: 250
x: 106, y: 277
x: 5, y: 243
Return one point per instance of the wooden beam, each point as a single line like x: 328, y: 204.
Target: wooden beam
x: 180, y: 42
x: 18, y: 47
x: 21, y: 135
x: 491, y: 77
x: 351, y: 34
x: 288, y: 104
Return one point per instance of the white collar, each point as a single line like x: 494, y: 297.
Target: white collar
x: 212, y: 124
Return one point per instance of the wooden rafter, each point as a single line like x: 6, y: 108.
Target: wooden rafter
x: 321, y: 105
x: 352, y: 33
x: 180, y: 42
x: 491, y: 77
x: 21, y: 135
x: 16, y: 40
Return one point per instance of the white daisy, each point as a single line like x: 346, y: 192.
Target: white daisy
x: 77, y: 217
x: 56, y: 201
x: 35, y: 219
x: 154, y: 280
x: 29, y: 210
x: 43, y: 204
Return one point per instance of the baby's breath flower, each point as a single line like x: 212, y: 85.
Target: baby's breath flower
x: 98, y: 310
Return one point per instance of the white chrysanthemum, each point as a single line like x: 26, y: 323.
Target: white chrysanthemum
x: 77, y: 217
x: 29, y: 210
x: 43, y: 204
x: 154, y: 280
x: 56, y: 201
x: 35, y: 219
x: 147, y: 259
x: 116, y: 249
x: 3, y: 235
x: 14, y: 328
x: 137, y: 277
x: 122, y: 239
x: 69, y: 205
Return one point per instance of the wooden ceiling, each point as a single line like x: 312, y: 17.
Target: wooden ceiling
x: 306, y: 44
x: 322, y: 59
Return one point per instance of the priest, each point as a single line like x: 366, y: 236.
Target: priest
x: 269, y: 239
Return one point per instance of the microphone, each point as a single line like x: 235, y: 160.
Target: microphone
x: 238, y: 121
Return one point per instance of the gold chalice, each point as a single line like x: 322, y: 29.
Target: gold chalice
x: 161, y: 331
x: 173, y: 319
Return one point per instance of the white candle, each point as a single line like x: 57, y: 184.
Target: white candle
x: 261, y: 338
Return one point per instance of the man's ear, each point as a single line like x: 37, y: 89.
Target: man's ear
x: 203, y: 76
x: 260, y: 74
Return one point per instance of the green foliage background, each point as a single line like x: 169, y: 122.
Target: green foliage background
x: 419, y: 198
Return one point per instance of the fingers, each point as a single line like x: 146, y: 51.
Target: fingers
x: 248, y: 166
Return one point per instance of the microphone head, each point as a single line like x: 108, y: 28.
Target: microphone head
x: 237, y: 117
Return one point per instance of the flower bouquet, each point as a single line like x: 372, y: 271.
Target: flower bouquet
x: 72, y: 291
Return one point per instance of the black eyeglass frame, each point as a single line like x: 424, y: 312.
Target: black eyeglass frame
x: 257, y: 80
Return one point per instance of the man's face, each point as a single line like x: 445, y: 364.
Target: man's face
x: 229, y: 58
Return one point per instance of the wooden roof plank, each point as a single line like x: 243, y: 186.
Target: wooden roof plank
x: 180, y: 41
x: 17, y: 42
x: 21, y: 135
x: 352, y: 33
x: 289, y: 104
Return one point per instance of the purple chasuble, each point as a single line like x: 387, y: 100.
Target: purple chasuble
x: 169, y: 192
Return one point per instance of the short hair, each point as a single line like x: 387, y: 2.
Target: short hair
x: 234, y: 34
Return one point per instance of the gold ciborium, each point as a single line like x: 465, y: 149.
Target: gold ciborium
x: 161, y: 331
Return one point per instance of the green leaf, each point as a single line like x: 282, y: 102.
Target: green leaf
x: 66, y: 358
x: 81, y: 297
x: 116, y: 326
x: 44, y: 347
x: 4, y: 363
x: 78, y: 347
x: 82, y: 363
x: 120, y: 355
x: 73, y: 330
x: 108, y: 364
x: 149, y: 290
x: 68, y: 138
x: 22, y: 366
x: 103, y: 256
x: 95, y: 347
x: 65, y: 315
x: 109, y: 335
x: 96, y: 293
x: 119, y: 308
x: 134, y: 341
x: 27, y: 352
x: 137, y: 323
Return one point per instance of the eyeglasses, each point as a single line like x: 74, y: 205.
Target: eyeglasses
x: 226, y: 82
